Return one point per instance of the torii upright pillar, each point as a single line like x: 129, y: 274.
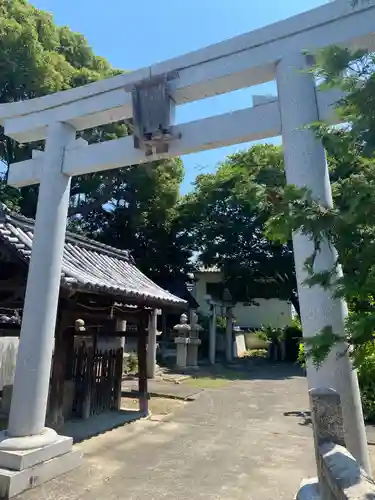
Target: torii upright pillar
x: 27, y: 445
x: 306, y: 165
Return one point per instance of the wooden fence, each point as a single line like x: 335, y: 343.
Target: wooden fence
x: 97, y: 376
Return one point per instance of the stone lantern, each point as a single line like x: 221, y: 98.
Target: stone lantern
x: 195, y: 342
x: 182, y: 341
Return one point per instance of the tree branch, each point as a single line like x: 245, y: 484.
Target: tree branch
x: 84, y: 208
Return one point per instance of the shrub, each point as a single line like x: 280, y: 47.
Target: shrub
x: 291, y: 335
x: 260, y: 334
x: 271, y: 334
x: 365, y: 363
x: 301, y: 355
x: 131, y: 363
x: 296, y: 323
x: 366, y: 379
x: 256, y: 353
x: 221, y: 323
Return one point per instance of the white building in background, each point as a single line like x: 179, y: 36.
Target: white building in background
x: 272, y: 312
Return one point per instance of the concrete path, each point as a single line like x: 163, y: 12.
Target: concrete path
x: 162, y: 388
x: 245, y: 440
x: 80, y: 429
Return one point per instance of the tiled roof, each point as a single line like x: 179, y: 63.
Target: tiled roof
x: 89, y: 265
x: 179, y: 288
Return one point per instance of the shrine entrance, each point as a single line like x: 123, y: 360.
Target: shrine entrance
x: 148, y: 97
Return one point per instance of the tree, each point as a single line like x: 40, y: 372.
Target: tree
x: 141, y: 216
x: 226, y: 222
x: 38, y: 58
x: 130, y: 207
x: 349, y: 226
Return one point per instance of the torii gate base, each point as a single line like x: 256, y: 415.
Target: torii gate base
x: 30, y: 453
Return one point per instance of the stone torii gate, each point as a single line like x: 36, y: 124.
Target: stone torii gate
x: 30, y: 453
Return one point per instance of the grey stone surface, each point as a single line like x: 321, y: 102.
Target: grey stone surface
x: 309, y: 490
x: 81, y: 429
x: 246, y: 440
x: 24, y: 459
x: 328, y: 427
x: 345, y: 478
x: 327, y: 416
x: 15, y: 482
x: 162, y: 388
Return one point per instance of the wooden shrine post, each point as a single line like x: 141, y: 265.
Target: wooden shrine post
x: 142, y: 363
x: 56, y: 397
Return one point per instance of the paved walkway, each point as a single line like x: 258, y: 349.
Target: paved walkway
x: 163, y: 388
x: 245, y: 440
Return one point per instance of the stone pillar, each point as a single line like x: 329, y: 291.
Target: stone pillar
x: 181, y: 351
x: 229, y: 336
x: 31, y: 383
x: 306, y: 165
x: 212, y: 336
x: 328, y: 427
x: 195, y: 342
x: 192, y: 352
x: 33, y: 452
x: 183, y: 330
x: 152, y: 344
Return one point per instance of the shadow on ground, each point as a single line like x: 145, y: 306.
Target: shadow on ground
x: 304, y: 416
x: 247, y: 370
x: 233, y: 442
x: 81, y: 430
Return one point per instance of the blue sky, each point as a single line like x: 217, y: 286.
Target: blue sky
x: 135, y: 34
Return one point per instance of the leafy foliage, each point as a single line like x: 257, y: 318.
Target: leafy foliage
x: 132, y: 207
x: 272, y: 334
x: 301, y: 355
x: 365, y: 363
x: 366, y: 379
x: 38, y: 58
x: 349, y: 226
x: 144, y: 219
x: 225, y: 220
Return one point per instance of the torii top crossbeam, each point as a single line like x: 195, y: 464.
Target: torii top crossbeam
x: 243, y: 61
x: 239, y: 62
